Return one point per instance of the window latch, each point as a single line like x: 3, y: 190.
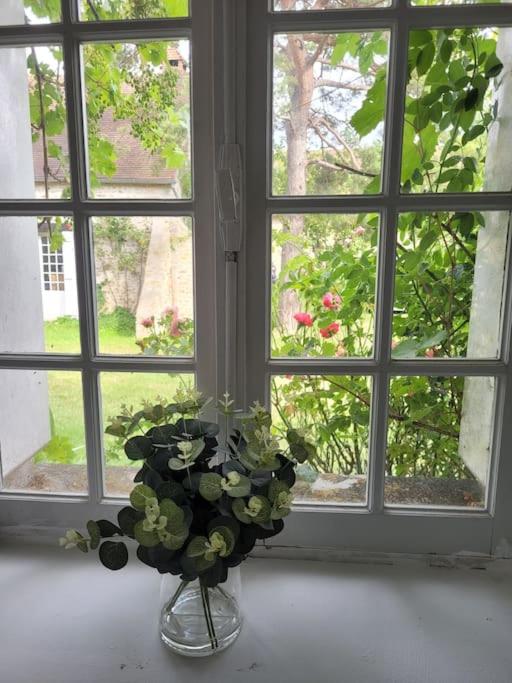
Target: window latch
x: 227, y: 185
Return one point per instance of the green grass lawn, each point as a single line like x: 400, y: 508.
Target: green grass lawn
x: 117, y: 388
x: 63, y: 336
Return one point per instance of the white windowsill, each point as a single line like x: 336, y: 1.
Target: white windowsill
x: 65, y: 619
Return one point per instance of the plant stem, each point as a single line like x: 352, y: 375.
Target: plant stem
x: 208, y: 616
x: 176, y: 595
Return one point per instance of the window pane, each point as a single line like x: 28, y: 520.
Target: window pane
x: 459, y: 2
x: 328, y: 112
x: 439, y: 441
x: 144, y: 285
x: 38, y: 287
x: 42, y: 432
x: 123, y: 394
x: 101, y: 10
x: 318, y: 5
x: 29, y: 12
x: 323, y: 285
x: 456, y: 129
x: 449, y: 284
x: 334, y: 411
x: 33, y: 131
x: 138, y: 119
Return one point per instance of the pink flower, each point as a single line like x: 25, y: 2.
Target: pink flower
x: 394, y: 343
x: 359, y: 231
x: 167, y: 311
x: 430, y: 353
x: 331, y: 301
x: 341, y: 351
x: 330, y: 330
x: 304, y: 319
x: 148, y: 322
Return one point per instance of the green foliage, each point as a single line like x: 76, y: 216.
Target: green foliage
x: 453, y: 78
x: 186, y: 518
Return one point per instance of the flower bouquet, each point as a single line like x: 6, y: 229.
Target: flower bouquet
x: 198, y: 507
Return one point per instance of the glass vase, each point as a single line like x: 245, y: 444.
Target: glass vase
x: 197, y: 621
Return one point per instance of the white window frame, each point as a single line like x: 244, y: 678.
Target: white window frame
x: 231, y: 103
x: 371, y: 528
x: 44, y: 513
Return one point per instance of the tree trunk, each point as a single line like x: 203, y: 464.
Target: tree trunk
x: 301, y: 87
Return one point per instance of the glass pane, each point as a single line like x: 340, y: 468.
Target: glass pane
x: 38, y: 287
x: 439, y: 441
x: 29, y: 12
x: 144, y: 285
x: 101, y: 10
x: 123, y: 394
x: 449, y: 284
x: 42, y: 432
x: 459, y: 2
x: 328, y: 110
x: 324, y: 269
x: 335, y: 413
x: 318, y: 5
x: 138, y: 119
x: 456, y: 129
x: 33, y: 131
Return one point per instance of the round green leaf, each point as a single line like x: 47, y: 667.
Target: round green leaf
x: 140, y: 495
x: 127, y: 519
x: 94, y: 534
x: 197, y: 547
x: 243, y: 488
x: 177, y: 539
x: 149, y: 539
x: 113, y: 555
x: 173, y: 512
x: 228, y: 537
x: 239, y: 511
x: 275, y: 488
x: 210, y: 486
x: 138, y: 448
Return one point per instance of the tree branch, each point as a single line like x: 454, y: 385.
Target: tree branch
x: 338, y: 166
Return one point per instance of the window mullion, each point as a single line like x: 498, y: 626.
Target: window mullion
x: 84, y: 258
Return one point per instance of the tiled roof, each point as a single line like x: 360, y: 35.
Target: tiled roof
x: 134, y: 164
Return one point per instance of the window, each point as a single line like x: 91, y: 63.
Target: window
x: 53, y: 266
x: 366, y: 297
x: 108, y: 259
x: 379, y: 212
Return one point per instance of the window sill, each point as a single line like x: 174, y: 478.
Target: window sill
x: 71, y: 621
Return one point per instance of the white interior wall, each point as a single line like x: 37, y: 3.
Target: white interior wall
x: 24, y: 424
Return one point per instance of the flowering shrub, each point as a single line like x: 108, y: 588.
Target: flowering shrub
x: 170, y: 335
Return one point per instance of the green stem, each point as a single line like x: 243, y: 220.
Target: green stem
x: 177, y: 594
x: 208, y: 617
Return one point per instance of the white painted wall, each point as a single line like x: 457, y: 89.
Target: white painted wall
x: 24, y: 424
x: 487, y: 304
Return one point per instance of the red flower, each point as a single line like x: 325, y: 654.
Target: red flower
x: 430, y: 353
x: 148, y: 322
x: 331, y: 301
x: 304, y: 319
x: 330, y: 330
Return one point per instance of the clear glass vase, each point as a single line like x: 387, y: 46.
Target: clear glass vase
x: 196, y: 621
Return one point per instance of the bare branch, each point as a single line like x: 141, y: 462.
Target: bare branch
x: 339, y: 166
